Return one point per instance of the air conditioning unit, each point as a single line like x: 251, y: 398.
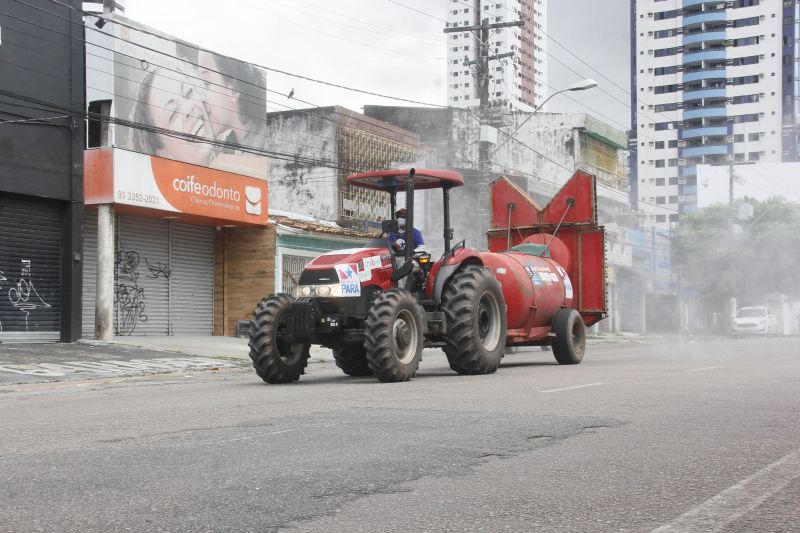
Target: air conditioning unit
x: 681, y: 162
x: 681, y: 181
x: 681, y: 198
x: 681, y: 144
x: 729, y: 139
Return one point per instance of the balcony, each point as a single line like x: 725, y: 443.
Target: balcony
x: 699, y: 94
x: 708, y: 74
x: 688, y: 171
x: 713, y: 131
x: 716, y: 16
x: 703, y: 37
x: 706, y: 55
x: 713, y: 149
x: 705, y: 112
x: 690, y: 3
x: 688, y: 189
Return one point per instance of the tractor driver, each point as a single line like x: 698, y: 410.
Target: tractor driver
x: 398, y: 239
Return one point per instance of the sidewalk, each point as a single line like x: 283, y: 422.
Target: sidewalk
x: 139, y: 356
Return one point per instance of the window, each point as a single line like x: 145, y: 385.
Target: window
x: 745, y: 99
x: 750, y: 21
x: 660, y: 182
x: 667, y: 107
x: 672, y: 144
x: 659, y: 145
x: 661, y: 219
x: 663, y: 15
x: 660, y: 34
x: 754, y: 156
x: 673, y: 218
x: 738, y: 138
x: 673, y: 199
x: 753, y: 117
x: 661, y: 200
x: 739, y: 61
x: 753, y: 136
x: 672, y: 162
x: 663, y: 52
x: 659, y: 163
x: 673, y: 88
x: 660, y: 126
x: 745, y: 80
x: 746, y: 41
x: 673, y: 180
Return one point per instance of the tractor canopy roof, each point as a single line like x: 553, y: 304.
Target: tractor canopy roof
x: 386, y: 180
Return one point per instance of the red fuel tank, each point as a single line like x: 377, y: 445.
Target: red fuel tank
x: 535, y: 288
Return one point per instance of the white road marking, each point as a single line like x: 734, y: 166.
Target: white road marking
x: 705, y: 368
x: 714, y: 514
x: 781, y: 358
x: 113, y: 367
x: 574, y: 387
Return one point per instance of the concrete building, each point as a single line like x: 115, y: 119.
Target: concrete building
x: 323, y: 146
x: 712, y: 83
x: 519, y: 81
x: 41, y: 171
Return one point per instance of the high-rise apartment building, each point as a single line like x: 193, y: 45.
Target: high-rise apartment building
x: 520, y: 80
x: 712, y: 82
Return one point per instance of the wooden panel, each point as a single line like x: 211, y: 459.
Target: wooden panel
x: 247, y: 274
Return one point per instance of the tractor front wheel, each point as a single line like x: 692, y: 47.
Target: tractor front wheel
x: 352, y: 359
x: 394, y: 332
x: 476, y: 321
x: 570, y: 341
x: 276, y: 356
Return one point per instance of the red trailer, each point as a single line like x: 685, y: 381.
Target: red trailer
x: 376, y: 307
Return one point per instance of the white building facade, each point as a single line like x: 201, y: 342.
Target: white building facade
x: 712, y: 83
x: 519, y: 81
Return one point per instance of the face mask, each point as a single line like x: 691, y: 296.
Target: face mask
x: 401, y: 222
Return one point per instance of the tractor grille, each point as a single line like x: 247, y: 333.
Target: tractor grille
x: 319, y: 277
x: 304, y: 318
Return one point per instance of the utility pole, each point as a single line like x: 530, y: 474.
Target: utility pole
x: 482, y: 76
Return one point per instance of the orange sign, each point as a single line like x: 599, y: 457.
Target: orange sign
x: 162, y: 184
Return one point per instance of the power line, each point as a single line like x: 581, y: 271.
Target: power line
x: 115, y: 20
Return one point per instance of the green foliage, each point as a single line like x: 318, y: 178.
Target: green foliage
x: 720, y: 257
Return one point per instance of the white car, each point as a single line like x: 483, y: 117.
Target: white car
x: 754, y: 320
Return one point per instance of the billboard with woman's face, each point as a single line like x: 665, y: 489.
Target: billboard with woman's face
x: 186, y: 104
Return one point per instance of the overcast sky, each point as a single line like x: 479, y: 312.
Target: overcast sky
x: 386, y: 48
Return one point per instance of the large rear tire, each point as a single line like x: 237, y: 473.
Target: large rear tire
x: 352, y: 359
x: 476, y: 321
x: 276, y: 358
x: 394, y: 332
x: 570, y: 341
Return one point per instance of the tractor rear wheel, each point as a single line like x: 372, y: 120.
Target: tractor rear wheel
x: 352, y: 359
x: 476, y: 321
x: 394, y: 332
x: 276, y: 357
x: 570, y: 341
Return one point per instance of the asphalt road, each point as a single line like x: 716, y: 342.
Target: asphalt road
x: 684, y: 437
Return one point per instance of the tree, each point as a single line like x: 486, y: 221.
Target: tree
x: 720, y: 257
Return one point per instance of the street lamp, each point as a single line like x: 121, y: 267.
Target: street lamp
x: 582, y: 85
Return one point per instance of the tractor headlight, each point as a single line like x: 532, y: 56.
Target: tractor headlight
x: 305, y: 290
x: 323, y: 290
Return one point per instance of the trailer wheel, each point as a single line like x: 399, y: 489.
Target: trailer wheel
x: 476, y: 321
x: 570, y: 341
x: 275, y: 357
x: 352, y: 359
x: 394, y: 332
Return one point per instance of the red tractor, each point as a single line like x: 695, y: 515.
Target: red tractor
x: 377, y: 308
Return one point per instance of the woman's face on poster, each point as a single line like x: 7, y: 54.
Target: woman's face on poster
x: 177, y: 105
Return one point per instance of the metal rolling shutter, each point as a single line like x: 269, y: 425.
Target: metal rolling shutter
x: 30, y: 270
x: 141, y: 285
x: 89, y: 273
x: 191, y: 279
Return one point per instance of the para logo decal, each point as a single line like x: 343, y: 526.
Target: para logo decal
x: 349, y: 280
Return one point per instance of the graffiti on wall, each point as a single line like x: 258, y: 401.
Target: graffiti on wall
x: 23, y: 295
x: 129, y: 296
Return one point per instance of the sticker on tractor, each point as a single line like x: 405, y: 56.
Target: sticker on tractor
x: 365, y: 275
x: 347, y: 273
x: 501, y: 270
x: 372, y: 262
x: 351, y: 289
x: 348, y: 277
x: 567, y: 287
